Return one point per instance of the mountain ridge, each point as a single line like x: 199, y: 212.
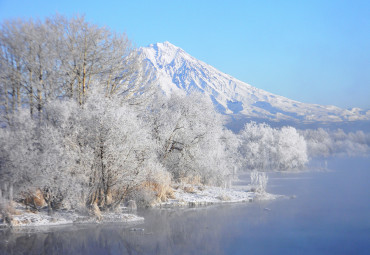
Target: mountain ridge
x: 175, y: 71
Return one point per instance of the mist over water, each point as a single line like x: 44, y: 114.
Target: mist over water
x: 329, y: 215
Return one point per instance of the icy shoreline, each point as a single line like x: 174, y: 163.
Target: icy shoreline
x: 190, y: 196
x: 25, y: 218
x: 185, y: 196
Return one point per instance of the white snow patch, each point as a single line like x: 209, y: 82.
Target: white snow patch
x: 42, y: 218
x: 206, y: 195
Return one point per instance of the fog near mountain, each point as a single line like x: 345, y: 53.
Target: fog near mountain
x: 175, y: 71
x: 322, y: 143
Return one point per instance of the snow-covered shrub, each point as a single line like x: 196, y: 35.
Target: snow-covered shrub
x: 224, y: 197
x: 144, y: 197
x: 6, y: 211
x: 259, y: 181
x: 265, y: 148
x: 159, y: 181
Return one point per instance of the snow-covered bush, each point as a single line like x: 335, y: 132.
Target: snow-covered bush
x: 258, y: 181
x: 155, y: 188
x: 144, y: 197
x: 265, y: 148
x: 159, y: 181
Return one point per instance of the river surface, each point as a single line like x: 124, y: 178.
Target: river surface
x: 330, y: 214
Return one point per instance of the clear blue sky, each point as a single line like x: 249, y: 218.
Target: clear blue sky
x: 310, y: 51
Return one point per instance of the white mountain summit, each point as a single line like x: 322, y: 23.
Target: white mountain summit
x: 175, y: 70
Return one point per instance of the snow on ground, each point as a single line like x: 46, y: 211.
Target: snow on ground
x: 206, y: 195
x: 25, y: 218
x: 185, y: 195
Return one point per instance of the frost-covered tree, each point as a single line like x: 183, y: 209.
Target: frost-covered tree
x: 265, y: 148
x: 62, y: 58
x: 80, y: 155
x: 121, y: 148
x: 83, y: 141
x: 33, y: 157
x: 324, y: 143
x: 190, y: 137
x: 111, y: 146
x: 292, y: 149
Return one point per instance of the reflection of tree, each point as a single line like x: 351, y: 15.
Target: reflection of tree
x: 181, y: 231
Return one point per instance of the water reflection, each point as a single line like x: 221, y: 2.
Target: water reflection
x: 181, y: 231
x: 329, y: 216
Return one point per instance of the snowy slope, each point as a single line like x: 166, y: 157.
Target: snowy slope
x: 175, y: 70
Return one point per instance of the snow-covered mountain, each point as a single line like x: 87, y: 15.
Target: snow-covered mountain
x: 176, y: 70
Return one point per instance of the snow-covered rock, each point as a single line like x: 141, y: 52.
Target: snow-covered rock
x: 175, y: 70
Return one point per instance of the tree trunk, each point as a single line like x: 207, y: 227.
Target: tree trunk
x: 6, y: 101
x: 71, y: 90
x: 31, y: 100
x: 31, y: 94
x: 39, y: 99
x: 84, y: 73
x: 18, y: 98
x: 13, y: 98
x: 83, y: 83
x: 18, y: 88
x: 39, y: 93
x: 104, y: 184
x: 11, y: 192
x: 50, y: 209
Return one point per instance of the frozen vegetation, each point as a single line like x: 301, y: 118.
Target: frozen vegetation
x: 324, y: 143
x: 23, y: 217
x: 265, y: 148
x: 84, y: 132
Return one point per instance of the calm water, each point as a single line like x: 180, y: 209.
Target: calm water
x: 330, y: 215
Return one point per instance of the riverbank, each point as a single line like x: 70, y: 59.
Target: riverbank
x: 319, y: 221
x: 184, y: 196
x: 23, y: 217
x: 192, y: 195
